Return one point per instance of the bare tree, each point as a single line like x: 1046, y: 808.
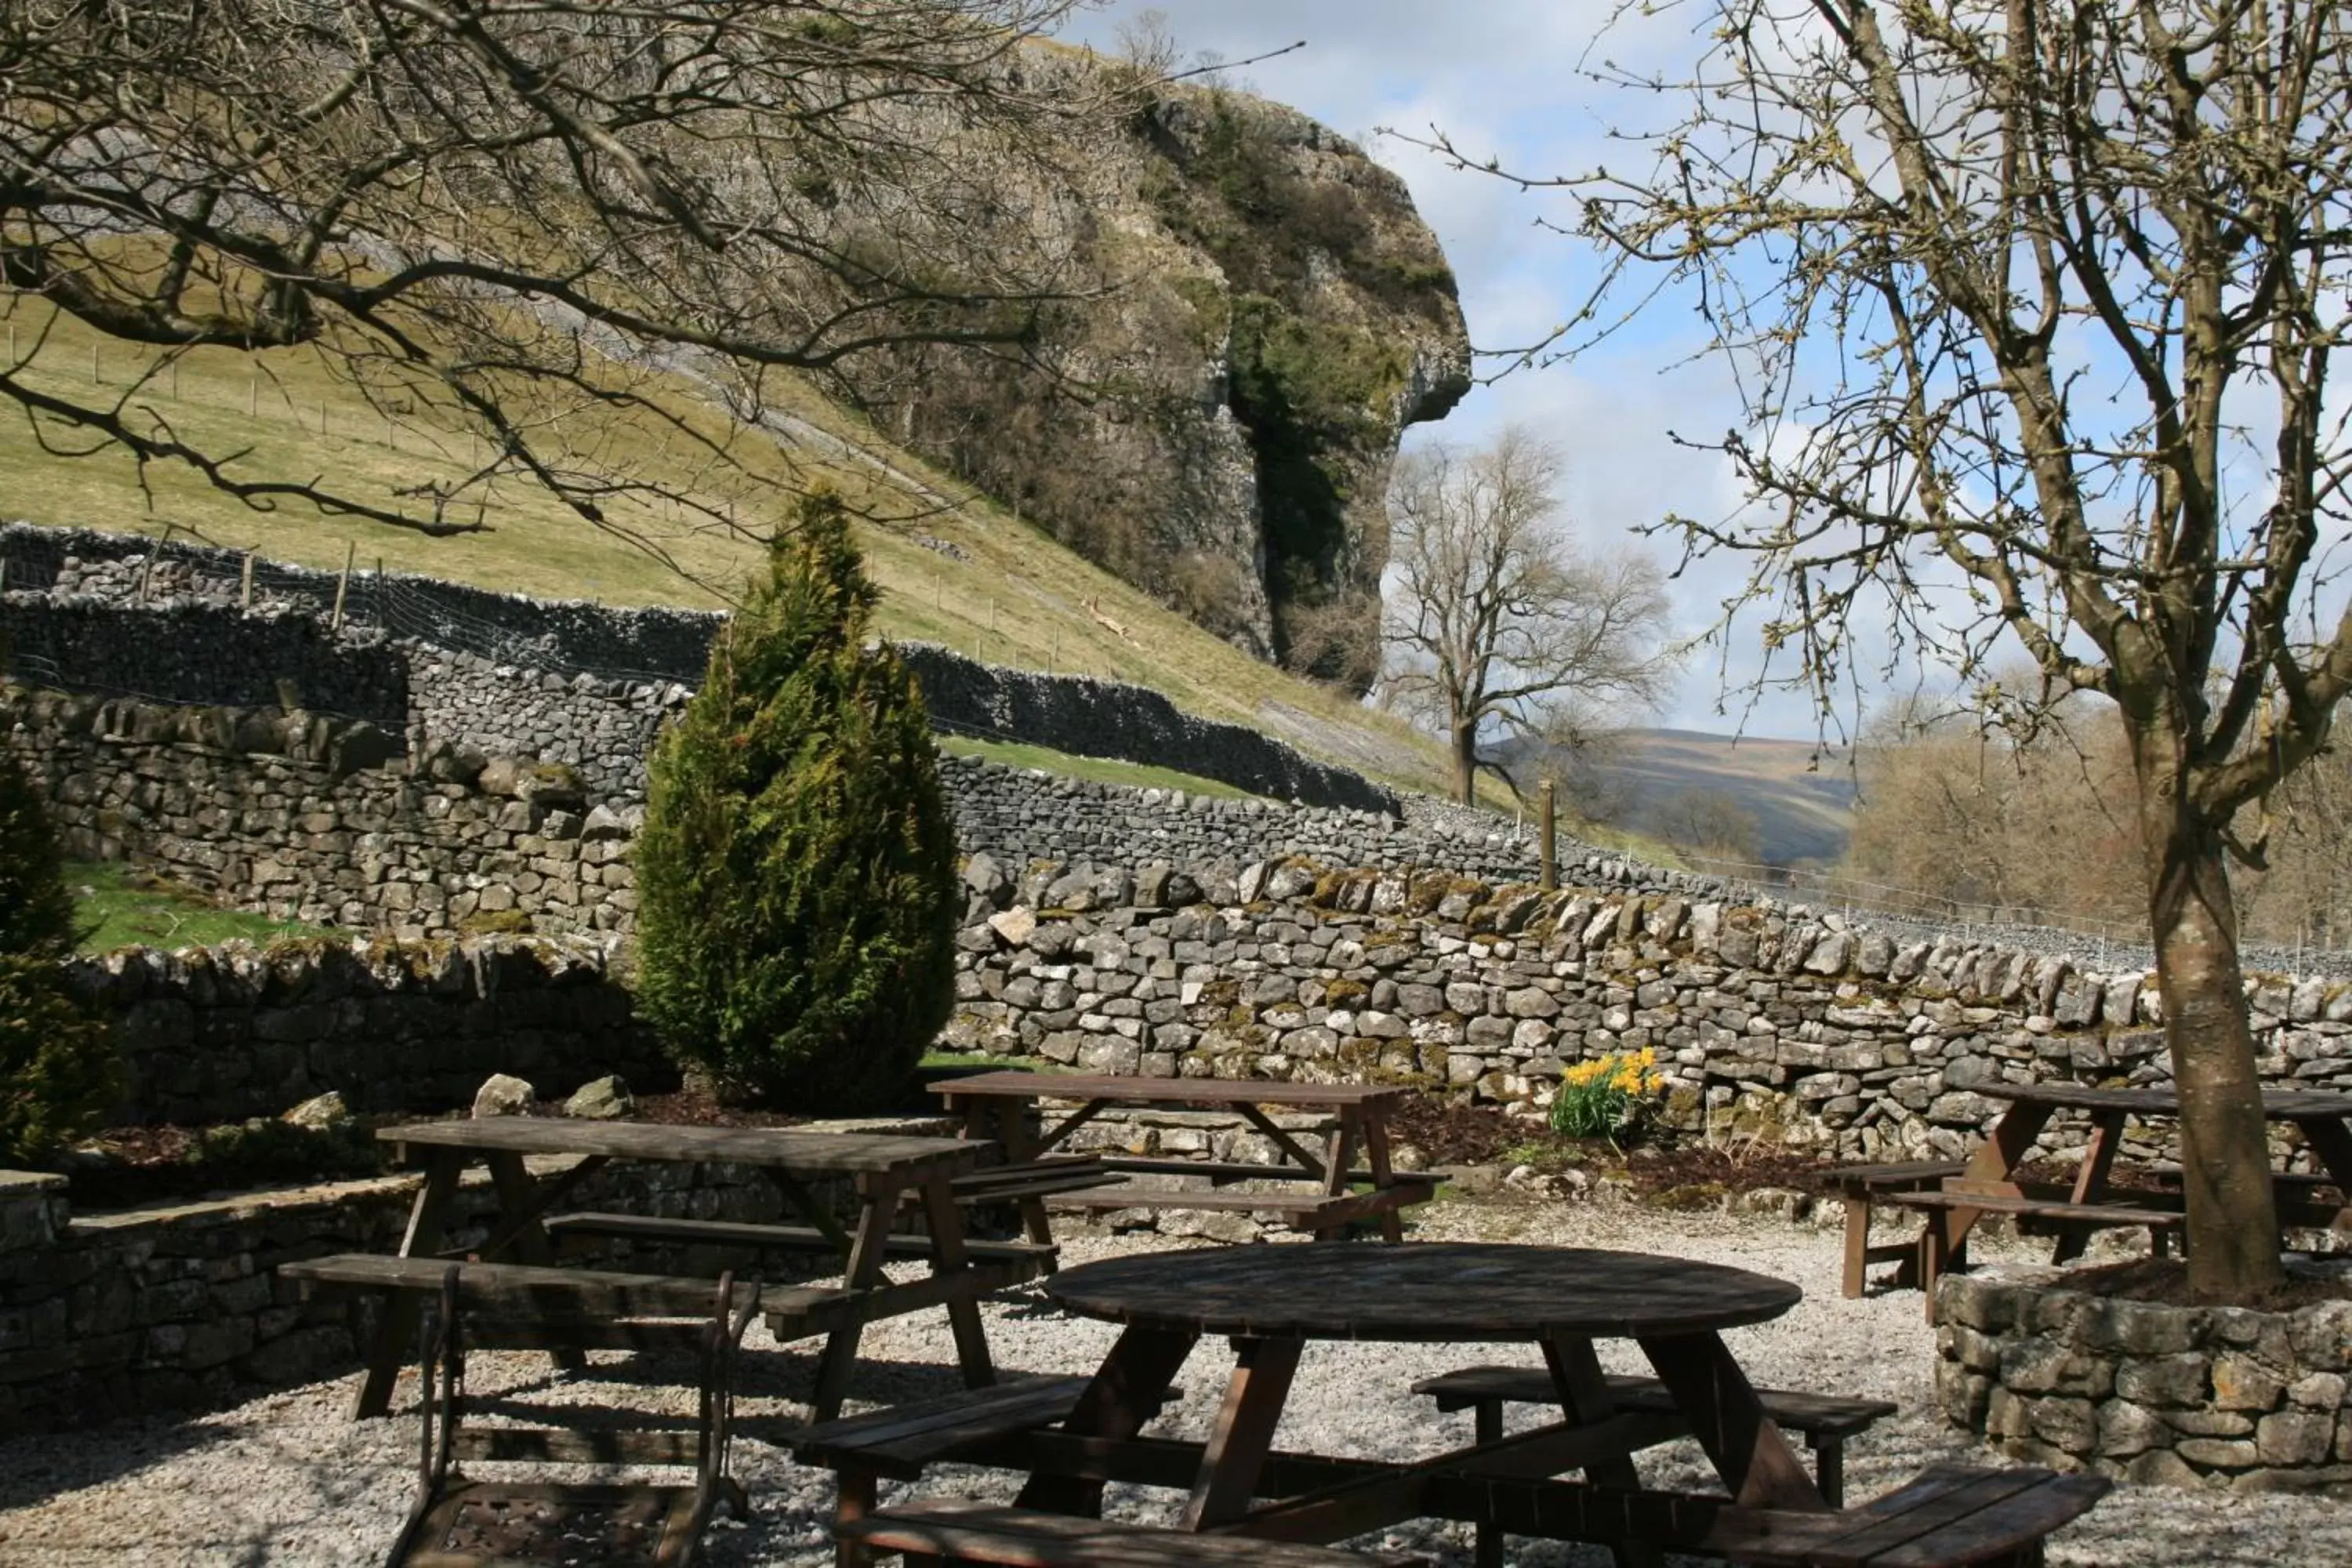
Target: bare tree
x: 2033, y: 304
x: 1495, y: 622
x: 505, y: 212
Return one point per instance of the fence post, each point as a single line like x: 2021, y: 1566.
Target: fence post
x: 343, y: 586
x: 245, y: 585
x: 1549, y: 878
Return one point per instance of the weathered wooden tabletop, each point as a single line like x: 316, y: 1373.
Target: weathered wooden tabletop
x: 1422, y: 1292
x: 1208, y: 1093
x: 2279, y: 1105
x: 785, y: 1148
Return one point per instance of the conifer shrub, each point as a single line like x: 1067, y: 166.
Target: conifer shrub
x: 36, y: 912
x: 796, y: 872
x: 59, y: 1074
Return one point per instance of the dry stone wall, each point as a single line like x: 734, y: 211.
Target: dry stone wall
x: 2152, y: 1393
x: 1768, y: 1020
x: 218, y: 1034
x: 562, y: 680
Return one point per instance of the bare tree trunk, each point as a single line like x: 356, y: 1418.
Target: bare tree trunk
x: 1463, y: 741
x: 2232, y: 1228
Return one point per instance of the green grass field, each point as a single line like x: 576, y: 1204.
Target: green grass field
x: 1008, y: 592
x: 121, y: 907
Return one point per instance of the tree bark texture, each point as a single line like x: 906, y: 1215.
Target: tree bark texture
x: 1462, y: 740
x: 2232, y: 1230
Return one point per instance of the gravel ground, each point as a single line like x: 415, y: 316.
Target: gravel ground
x: 287, y: 1479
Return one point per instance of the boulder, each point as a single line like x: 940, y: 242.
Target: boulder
x: 503, y: 1094
x: 606, y: 1099
x: 319, y: 1113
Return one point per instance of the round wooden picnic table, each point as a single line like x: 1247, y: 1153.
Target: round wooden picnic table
x: 1271, y: 1300
x: 1445, y: 1292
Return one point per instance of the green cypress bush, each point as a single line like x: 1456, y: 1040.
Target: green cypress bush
x: 59, y: 1074
x: 796, y: 873
x: 36, y: 911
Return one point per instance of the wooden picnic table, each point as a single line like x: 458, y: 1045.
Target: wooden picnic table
x: 1007, y: 1108
x: 2091, y: 1199
x: 881, y: 1168
x: 1272, y: 1300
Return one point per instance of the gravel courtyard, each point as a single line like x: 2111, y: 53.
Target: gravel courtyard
x: 287, y: 1479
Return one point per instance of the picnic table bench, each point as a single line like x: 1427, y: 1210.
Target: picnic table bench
x: 473, y: 1520
x: 1271, y: 1300
x: 1825, y: 1421
x: 1952, y: 1198
x: 1004, y: 1107
x: 881, y: 1169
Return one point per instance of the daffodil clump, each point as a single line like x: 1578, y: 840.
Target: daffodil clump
x: 1607, y: 1096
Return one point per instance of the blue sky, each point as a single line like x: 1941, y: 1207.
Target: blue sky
x: 1500, y: 76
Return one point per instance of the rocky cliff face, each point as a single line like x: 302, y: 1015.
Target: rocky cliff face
x: 1217, y: 421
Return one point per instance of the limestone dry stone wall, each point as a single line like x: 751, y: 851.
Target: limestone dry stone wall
x: 1768, y: 1021
x: 212, y: 1034
x: 562, y: 680
x: 2149, y: 1392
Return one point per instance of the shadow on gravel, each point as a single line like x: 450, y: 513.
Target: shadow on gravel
x: 37, y: 1468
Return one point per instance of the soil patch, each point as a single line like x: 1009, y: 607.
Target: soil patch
x: 2165, y: 1281
x: 1695, y: 1174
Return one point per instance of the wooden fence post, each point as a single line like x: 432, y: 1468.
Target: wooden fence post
x: 343, y: 586
x: 245, y: 585
x: 1546, y: 836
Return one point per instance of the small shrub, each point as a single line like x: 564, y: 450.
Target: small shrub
x: 37, y: 913
x: 59, y: 1074
x: 1608, y: 1097
x: 797, y: 867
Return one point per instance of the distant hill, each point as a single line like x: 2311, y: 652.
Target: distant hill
x: 1800, y: 792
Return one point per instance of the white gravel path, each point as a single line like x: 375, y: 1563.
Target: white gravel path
x: 287, y: 1479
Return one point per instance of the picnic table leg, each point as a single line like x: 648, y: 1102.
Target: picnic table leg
x: 1236, y: 1454
x: 520, y: 1202
x: 1124, y: 1394
x: 878, y: 1196
x: 1715, y: 1397
x: 2090, y: 1181
x: 2010, y: 1140
x: 2331, y: 1143
x: 1021, y: 1147
x: 1376, y: 1155
x: 1583, y: 1391
x: 1339, y: 1153
x: 428, y: 1219
x: 947, y: 1257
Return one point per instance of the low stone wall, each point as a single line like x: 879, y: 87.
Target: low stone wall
x: 129, y: 1313
x: 2178, y: 1395
x: 1767, y: 1020
x: 221, y: 1034
x: 573, y: 682
x: 298, y: 835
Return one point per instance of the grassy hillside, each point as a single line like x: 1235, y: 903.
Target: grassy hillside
x: 1801, y: 794
x: 954, y: 568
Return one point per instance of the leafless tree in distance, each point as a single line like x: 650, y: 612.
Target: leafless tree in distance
x: 2034, y: 305
x: 508, y: 211
x: 1496, y: 623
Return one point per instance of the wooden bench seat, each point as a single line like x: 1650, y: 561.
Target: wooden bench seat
x: 1825, y: 1420
x: 1217, y: 1171
x: 1936, y: 1251
x: 1318, y: 1212
x: 1028, y: 1259
x: 945, y: 1530
x: 1031, y: 1179
x: 1859, y: 1187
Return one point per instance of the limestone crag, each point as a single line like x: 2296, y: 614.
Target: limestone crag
x: 1219, y: 421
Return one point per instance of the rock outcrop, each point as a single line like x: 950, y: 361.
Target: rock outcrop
x: 1218, y: 422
